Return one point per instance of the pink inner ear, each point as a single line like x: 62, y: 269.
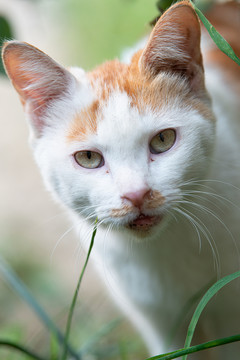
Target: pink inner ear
x: 35, y: 75
x: 22, y: 80
x: 37, y: 78
x: 37, y: 103
x: 174, y: 44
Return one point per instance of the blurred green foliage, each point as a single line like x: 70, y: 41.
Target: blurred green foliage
x: 100, y: 30
x: 5, y: 33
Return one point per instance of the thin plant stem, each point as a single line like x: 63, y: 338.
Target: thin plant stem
x: 196, y: 348
x: 21, y: 348
x: 74, y: 300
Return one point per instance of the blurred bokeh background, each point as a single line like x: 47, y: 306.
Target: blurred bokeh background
x: 34, y: 236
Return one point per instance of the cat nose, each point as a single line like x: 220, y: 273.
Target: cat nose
x: 137, y: 197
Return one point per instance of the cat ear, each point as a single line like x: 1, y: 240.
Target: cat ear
x: 37, y: 78
x: 174, y: 45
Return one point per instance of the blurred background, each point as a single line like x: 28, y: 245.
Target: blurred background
x: 35, y: 234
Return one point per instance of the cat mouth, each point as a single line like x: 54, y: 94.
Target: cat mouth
x: 144, y: 222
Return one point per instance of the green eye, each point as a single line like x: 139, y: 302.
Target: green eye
x: 162, y: 141
x: 89, y: 159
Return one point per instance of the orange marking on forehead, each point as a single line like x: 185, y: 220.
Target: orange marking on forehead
x: 84, y: 123
x: 141, y: 90
x: 106, y: 78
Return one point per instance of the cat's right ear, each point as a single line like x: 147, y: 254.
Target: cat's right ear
x: 38, y: 79
x: 174, y: 46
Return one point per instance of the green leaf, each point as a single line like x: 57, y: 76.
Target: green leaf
x: 206, y: 298
x: 221, y: 43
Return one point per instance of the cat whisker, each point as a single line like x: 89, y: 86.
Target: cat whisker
x: 191, y: 220
x: 221, y: 182
x: 203, y: 183
x: 171, y: 213
x: 210, y: 240
x: 199, y: 226
x: 204, y: 208
x: 197, y: 196
x: 214, y: 195
x: 59, y: 240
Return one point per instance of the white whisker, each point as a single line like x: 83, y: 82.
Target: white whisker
x: 59, y: 240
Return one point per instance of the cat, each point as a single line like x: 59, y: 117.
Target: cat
x: 151, y: 148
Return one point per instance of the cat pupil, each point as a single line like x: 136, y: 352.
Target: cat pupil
x: 161, y: 137
x: 89, y: 155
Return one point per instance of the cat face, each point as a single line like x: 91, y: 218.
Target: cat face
x: 123, y: 141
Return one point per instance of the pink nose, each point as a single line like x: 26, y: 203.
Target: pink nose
x: 137, y: 197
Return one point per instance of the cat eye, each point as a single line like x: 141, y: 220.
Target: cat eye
x: 89, y: 159
x: 163, y: 141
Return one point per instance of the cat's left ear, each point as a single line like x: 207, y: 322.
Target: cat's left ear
x: 38, y: 79
x: 174, y: 45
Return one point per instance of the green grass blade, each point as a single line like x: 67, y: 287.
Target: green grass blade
x: 54, y: 348
x: 203, y: 302
x: 21, y: 349
x: 74, y: 300
x: 20, y: 288
x: 183, y: 352
x: 221, y: 43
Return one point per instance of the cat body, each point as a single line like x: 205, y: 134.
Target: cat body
x: 153, y: 153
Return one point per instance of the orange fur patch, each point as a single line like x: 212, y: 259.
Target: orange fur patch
x: 141, y: 90
x: 84, y: 123
x: 126, y: 209
x: 156, y: 200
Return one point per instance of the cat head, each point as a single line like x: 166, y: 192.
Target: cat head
x: 122, y: 141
